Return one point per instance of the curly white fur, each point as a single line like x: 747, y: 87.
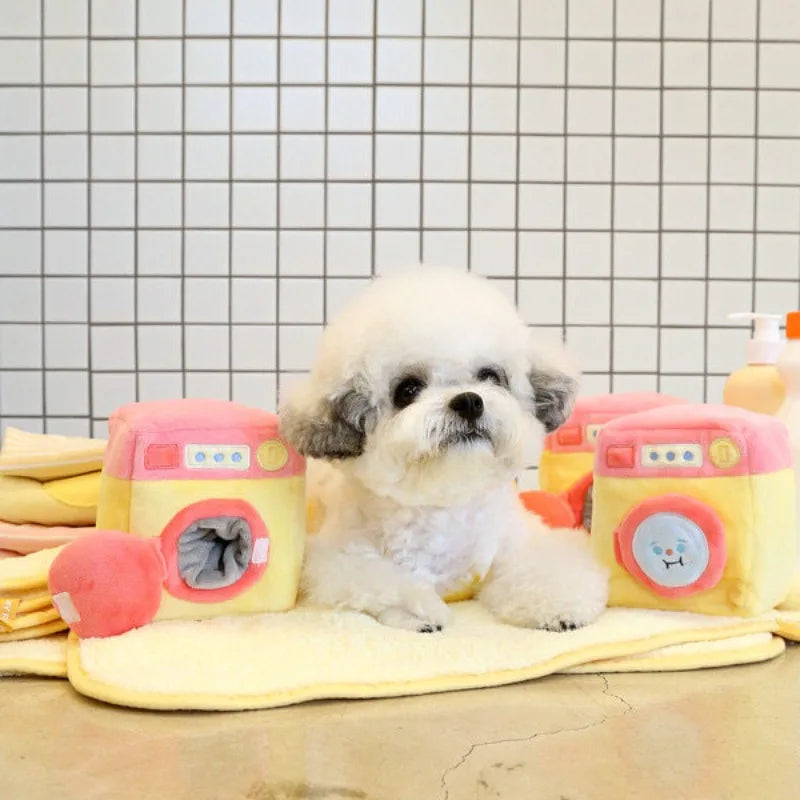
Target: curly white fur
x: 418, y: 499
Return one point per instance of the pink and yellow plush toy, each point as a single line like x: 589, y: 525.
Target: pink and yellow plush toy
x: 567, y: 461
x: 694, y: 510
x: 204, y: 511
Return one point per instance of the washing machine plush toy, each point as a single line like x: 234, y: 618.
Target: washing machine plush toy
x: 567, y: 461
x: 204, y: 508
x: 694, y: 509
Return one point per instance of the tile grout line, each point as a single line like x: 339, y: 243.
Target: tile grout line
x: 25, y: 276
x: 137, y: 378
x: 517, y: 154
x: 278, y: 229
x: 660, y: 254
x: 471, y: 42
x: 777, y: 137
x: 707, y: 236
x: 374, y: 182
x: 183, y: 201
x: 326, y: 164
x: 756, y: 126
x: 231, y: 22
x: 42, y: 229
x: 422, y: 135
x: 89, y: 169
x: 444, y: 37
x: 400, y: 85
x: 565, y: 157
x: 612, y: 210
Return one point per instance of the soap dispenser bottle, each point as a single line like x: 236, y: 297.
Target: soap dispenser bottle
x: 759, y: 385
x: 789, y: 413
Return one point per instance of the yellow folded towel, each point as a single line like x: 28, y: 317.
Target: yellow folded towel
x: 49, y: 479
x: 26, y: 609
x: 28, y: 538
x: 36, y: 632
x: 27, y: 621
x: 27, y: 575
x: 306, y: 654
x: 63, y: 501
x: 45, y: 456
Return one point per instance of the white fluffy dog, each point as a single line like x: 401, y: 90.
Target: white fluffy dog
x: 422, y: 395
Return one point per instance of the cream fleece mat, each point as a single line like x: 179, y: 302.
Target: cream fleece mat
x: 306, y: 654
x: 748, y: 649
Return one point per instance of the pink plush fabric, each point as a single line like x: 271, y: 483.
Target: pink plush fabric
x: 24, y: 539
x: 107, y: 584
x: 147, y: 440
x: 598, y: 410
x: 757, y: 443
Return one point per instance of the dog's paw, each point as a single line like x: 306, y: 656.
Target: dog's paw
x: 420, y: 609
x: 400, y: 618
x: 549, y: 602
x: 564, y: 613
x: 421, y: 600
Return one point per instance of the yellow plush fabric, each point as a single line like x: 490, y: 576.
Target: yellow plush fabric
x: 143, y: 507
x: 48, y: 656
x: 26, y: 610
x: 27, y: 601
x: 27, y: 574
x: 305, y: 654
x: 45, y: 656
x: 48, y: 456
x: 35, y: 632
x: 62, y: 501
x: 745, y: 649
x: 789, y: 624
x: 758, y: 514
x: 28, y: 620
x: 559, y: 471
x: 792, y: 600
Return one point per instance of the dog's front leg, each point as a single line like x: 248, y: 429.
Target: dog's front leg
x: 355, y: 576
x: 544, y: 578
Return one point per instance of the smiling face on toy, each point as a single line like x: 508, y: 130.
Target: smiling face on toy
x: 675, y: 554
x: 670, y: 549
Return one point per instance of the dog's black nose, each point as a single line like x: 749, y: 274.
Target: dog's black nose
x: 467, y: 405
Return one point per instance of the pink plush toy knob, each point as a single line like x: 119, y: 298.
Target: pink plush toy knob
x: 108, y: 583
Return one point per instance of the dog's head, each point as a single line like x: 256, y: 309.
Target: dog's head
x: 426, y: 387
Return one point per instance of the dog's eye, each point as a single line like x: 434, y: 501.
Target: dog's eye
x: 406, y: 392
x: 490, y: 374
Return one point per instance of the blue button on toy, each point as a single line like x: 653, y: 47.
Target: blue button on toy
x: 200, y: 457
x: 218, y: 457
x: 654, y: 456
x: 236, y: 458
x: 670, y: 456
x: 689, y: 455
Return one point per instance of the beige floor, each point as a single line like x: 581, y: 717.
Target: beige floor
x: 715, y: 734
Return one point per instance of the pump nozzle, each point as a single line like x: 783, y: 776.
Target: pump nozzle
x: 766, y: 343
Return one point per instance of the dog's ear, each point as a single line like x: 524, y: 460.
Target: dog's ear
x: 328, y: 426
x: 553, y: 379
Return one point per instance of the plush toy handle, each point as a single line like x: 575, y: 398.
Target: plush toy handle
x: 552, y: 508
x: 107, y: 583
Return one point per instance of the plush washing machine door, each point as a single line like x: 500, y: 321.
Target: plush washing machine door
x: 214, y: 550
x: 672, y: 544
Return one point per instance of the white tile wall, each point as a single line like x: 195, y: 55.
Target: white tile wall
x: 188, y: 190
